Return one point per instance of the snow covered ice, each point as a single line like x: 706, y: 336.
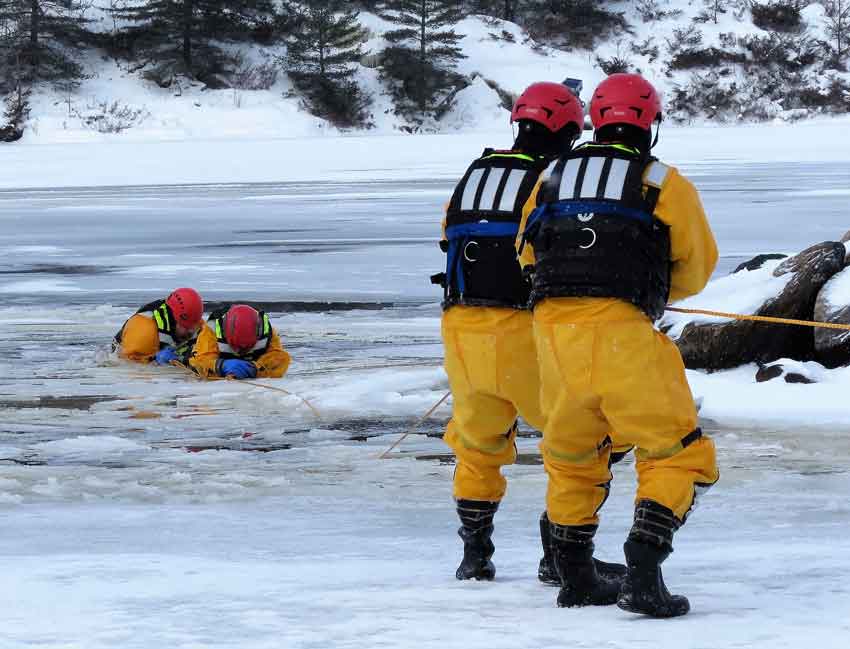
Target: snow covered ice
x: 145, y: 509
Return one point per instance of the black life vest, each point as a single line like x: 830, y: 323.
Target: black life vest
x: 225, y: 351
x: 482, y: 223
x: 594, y: 231
x: 159, y: 312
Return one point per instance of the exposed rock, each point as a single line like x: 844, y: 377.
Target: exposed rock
x: 846, y: 240
x: 793, y: 377
x: 11, y: 133
x: 730, y: 344
x: 770, y: 372
x: 758, y: 261
x: 213, y: 81
x: 832, y: 346
x: 162, y: 76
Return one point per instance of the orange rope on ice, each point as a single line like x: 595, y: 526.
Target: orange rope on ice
x: 763, y: 318
x: 256, y: 385
x: 415, y: 426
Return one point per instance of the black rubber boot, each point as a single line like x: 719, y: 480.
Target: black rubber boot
x: 650, y: 542
x: 581, y: 582
x: 476, y: 518
x: 546, y: 572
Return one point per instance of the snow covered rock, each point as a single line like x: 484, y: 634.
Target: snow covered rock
x: 728, y: 344
x: 832, y: 346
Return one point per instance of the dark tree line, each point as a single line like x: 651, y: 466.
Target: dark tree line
x: 171, y: 39
x: 168, y: 40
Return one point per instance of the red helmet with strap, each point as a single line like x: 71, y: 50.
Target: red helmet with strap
x: 241, y: 327
x: 186, y: 306
x: 551, y: 104
x: 625, y: 99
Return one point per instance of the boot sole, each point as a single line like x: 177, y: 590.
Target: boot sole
x: 629, y: 606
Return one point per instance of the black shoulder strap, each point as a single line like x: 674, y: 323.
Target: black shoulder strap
x: 219, y: 313
x: 150, y: 306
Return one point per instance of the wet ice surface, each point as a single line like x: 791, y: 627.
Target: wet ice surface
x: 338, y: 241
x: 143, y: 508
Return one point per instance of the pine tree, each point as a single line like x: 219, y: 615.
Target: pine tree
x: 179, y: 35
x: 713, y: 9
x: 37, y: 38
x: 423, y: 50
x: 323, y: 48
x: 838, y: 28
x: 504, y: 9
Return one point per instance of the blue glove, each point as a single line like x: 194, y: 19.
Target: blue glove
x: 165, y: 356
x: 238, y: 369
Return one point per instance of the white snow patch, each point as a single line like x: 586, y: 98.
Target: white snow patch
x: 742, y: 293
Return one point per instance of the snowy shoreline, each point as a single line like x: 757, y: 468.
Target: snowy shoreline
x: 127, y: 160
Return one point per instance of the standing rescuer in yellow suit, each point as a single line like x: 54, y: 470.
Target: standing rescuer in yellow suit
x: 162, y: 331
x: 486, y: 327
x: 239, y: 342
x: 615, y: 235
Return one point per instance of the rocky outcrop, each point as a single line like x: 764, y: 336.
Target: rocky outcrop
x: 717, y: 346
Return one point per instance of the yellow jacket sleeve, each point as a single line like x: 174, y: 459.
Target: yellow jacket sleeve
x: 139, y: 339
x: 275, y: 361
x: 526, y: 256
x: 205, y: 353
x: 693, y: 250
x: 443, y: 224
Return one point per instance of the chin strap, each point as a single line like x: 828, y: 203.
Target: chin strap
x: 657, y: 131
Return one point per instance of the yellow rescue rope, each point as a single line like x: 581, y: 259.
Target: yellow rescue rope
x: 415, y: 426
x: 292, y: 394
x: 251, y: 383
x: 762, y: 318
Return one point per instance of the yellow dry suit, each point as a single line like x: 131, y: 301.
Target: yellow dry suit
x: 613, y: 237
x: 487, y: 330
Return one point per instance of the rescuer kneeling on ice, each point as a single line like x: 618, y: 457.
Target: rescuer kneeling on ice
x: 239, y: 342
x: 162, y: 331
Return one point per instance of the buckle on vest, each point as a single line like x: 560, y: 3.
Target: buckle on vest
x: 439, y: 279
x: 468, y: 248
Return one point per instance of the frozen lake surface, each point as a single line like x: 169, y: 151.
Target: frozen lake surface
x: 145, y: 509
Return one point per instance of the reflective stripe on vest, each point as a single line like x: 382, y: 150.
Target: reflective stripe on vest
x: 163, y: 326
x: 656, y: 174
x: 483, y: 194
x: 594, y: 178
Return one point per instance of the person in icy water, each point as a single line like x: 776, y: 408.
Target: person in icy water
x: 162, y: 331
x: 486, y: 326
x: 239, y: 342
x: 614, y: 235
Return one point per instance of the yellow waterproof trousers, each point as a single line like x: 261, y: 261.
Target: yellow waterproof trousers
x: 492, y: 367
x: 604, y: 367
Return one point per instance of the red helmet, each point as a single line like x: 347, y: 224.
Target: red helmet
x: 625, y: 99
x: 186, y: 306
x: 241, y: 327
x: 551, y: 104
